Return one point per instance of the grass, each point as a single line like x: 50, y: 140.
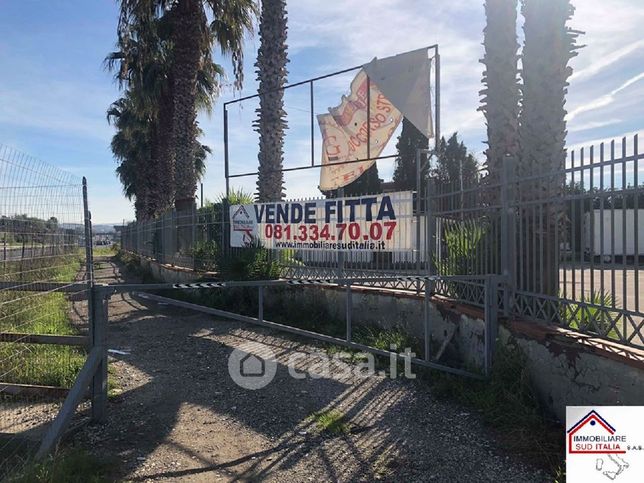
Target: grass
x: 113, y: 388
x: 332, y: 422
x: 105, y: 250
x: 68, y: 466
x: 395, y: 339
x: 39, y: 313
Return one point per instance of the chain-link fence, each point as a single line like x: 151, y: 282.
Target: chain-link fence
x: 43, y: 299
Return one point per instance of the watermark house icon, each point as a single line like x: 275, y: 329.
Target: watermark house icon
x: 252, y: 366
x: 597, y: 434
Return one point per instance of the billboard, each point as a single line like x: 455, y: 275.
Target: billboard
x: 368, y: 223
x: 382, y: 92
x: 344, y: 133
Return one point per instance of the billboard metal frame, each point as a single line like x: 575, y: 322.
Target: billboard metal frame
x: 311, y: 82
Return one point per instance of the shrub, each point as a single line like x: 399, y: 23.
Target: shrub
x: 462, y: 239
x: 250, y: 263
x: 205, y: 255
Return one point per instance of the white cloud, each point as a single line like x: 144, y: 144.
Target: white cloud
x: 594, y: 125
x: 606, y: 61
x: 606, y: 99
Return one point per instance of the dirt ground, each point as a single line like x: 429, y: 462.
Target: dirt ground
x: 180, y: 416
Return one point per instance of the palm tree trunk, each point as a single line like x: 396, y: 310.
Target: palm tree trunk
x: 166, y: 153
x: 500, y: 102
x: 271, y: 122
x: 188, y: 17
x: 549, y: 46
x: 187, y: 35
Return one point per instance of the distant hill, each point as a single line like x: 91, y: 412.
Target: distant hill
x: 104, y: 227
x: 98, y: 228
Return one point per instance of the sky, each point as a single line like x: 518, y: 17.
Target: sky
x: 54, y: 90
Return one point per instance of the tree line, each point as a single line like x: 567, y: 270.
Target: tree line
x: 164, y: 65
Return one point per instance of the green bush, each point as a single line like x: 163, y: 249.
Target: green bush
x: 250, y: 263
x: 462, y: 240
x: 205, y: 255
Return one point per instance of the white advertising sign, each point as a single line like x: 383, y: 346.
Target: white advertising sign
x: 344, y: 133
x: 397, y: 86
x: 370, y: 223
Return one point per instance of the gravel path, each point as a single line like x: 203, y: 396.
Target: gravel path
x: 180, y: 416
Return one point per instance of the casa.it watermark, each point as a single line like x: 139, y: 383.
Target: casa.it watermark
x: 254, y: 365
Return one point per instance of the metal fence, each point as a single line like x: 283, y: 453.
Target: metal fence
x: 568, y: 241
x: 204, y: 246
x: 44, y: 309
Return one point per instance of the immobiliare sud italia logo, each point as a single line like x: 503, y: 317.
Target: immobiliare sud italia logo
x: 604, y: 443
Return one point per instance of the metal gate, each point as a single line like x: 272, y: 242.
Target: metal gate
x: 488, y: 290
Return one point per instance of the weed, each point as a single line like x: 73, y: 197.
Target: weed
x: 395, y: 339
x: 133, y: 266
x: 68, y: 466
x: 332, y: 422
x: 593, y: 317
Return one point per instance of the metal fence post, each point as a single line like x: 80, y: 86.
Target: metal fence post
x: 193, y: 244
x: 491, y: 319
x: 508, y: 239
x: 430, y: 232
x: 260, y: 304
x: 340, y: 271
x: 349, y: 309
x: 89, y: 257
x: 426, y: 323
x: 419, y: 185
x: 225, y: 227
x: 99, y: 341
x: 486, y: 316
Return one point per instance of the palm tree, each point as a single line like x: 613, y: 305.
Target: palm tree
x: 500, y: 103
x: 271, y: 123
x: 131, y: 146
x: 192, y: 39
x: 549, y: 46
x: 143, y: 63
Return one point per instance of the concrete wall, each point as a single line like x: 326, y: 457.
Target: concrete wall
x: 387, y: 310
x: 574, y: 370
x: 567, y: 368
x: 169, y: 273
